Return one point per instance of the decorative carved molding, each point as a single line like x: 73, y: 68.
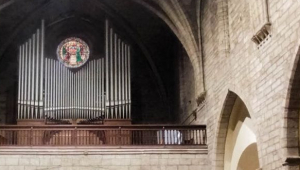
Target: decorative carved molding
x: 262, y: 34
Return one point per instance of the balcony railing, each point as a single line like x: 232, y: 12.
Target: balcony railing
x: 99, y: 136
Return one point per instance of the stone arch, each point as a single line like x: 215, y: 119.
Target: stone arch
x: 229, y: 108
x: 175, y: 17
x: 290, y: 133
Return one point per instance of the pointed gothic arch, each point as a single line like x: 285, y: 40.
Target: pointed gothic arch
x: 236, y: 135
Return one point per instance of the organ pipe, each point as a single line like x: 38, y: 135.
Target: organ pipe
x: 46, y: 86
x: 123, y: 81
x: 29, y: 78
x: 42, y: 66
x: 103, y: 97
x: 22, y: 74
x: 129, y: 83
x: 111, y: 75
x: 33, y: 77
x: 19, y: 83
x: 38, y: 69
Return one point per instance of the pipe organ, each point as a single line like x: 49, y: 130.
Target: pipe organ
x: 99, y: 88
x: 31, y: 73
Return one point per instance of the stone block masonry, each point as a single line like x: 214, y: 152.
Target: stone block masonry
x: 122, y: 160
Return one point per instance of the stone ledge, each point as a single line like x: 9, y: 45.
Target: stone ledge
x: 97, y: 151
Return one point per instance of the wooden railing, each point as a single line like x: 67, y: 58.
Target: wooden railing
x: 91, y: 135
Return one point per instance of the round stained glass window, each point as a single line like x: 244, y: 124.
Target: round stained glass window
x: 73, y: 52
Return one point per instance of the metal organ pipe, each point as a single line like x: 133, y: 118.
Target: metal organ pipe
x: 68, y: 93
x: 42, y: 65
x: 29, y: 78
x: 76, y: 94
x: 129, y: 83
x: 114, y: 74
x: 103, y: 96
x: 100, y: 91
x: 111, y: 75
x: 106, y: 67
x: 47, y: 81
x: 19, y: 83
x: 33, y: 77
x: 37, y: 71
x: 68, y: 99
x: 88, y: 90
x: 22, y: 81
x: 80, y: 96
x: 60, y: 90
x: 83, y: 93
x: 96, y: 88
x: 126, y: 81
x: 92, y: 87
x: 46, y: 87
x: 73, y: 92
x: 52, y: 71
x: 61, y: 94
x: 123, y: 80
x: 53, y: 94
x: 56, y: 88
x: 119, y: 79
x: 79, y: 86
x: 26, y: 112
x: 64, y: 93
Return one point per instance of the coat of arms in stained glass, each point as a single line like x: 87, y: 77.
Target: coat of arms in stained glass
x: 73, y: 52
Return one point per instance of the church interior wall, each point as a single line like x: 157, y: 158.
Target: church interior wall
x: 261, y: 75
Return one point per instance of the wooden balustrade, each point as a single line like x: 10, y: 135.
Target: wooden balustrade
x: 92, y: 135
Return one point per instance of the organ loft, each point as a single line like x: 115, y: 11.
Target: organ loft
x: 89, y: 81
x: 72, y: 88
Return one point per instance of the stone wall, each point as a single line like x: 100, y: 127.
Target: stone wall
x: 102, y: 161
x: 259, y: 76
x: 184, y: 96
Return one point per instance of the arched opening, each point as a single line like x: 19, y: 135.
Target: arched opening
x: 291, y: 116
x: 236, y: 142
x: 240, y: 136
